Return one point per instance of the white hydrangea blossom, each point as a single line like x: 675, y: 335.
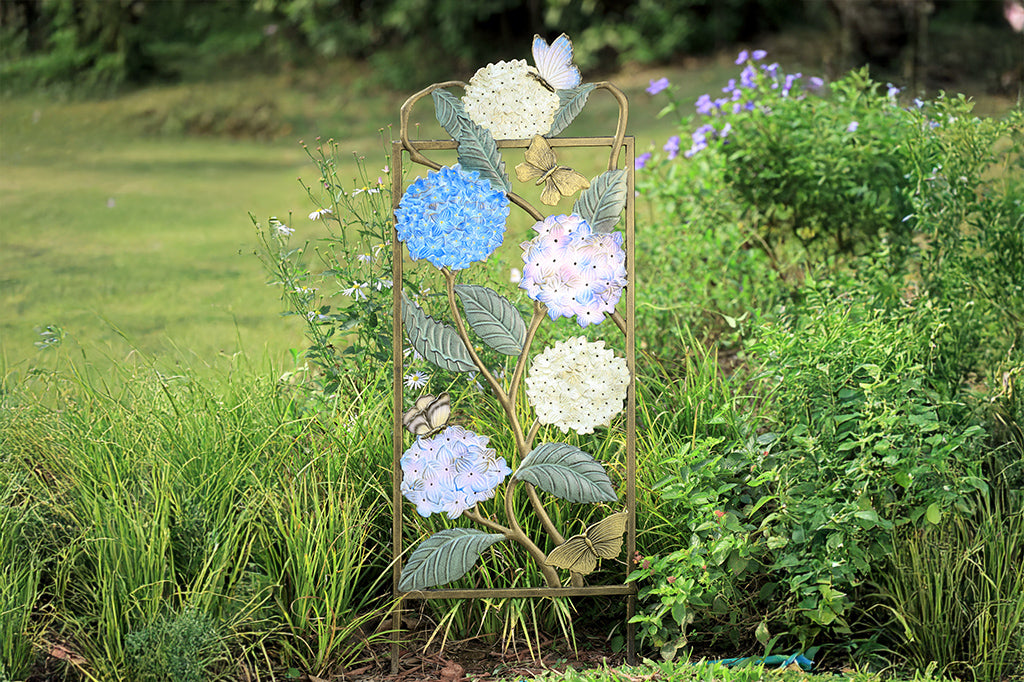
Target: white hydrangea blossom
x: 509, y: 102
x: 577, y: 384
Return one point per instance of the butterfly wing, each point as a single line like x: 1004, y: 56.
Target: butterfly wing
x: 428, y: 414
x: 569, y: 181
x: 438, y: 411
x: 554, y: 62
x: 527, y: 172
x: 550, y: 194
x: 606, y: 535
x: 573, y: 555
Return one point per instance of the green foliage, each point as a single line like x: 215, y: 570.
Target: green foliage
x: 21, y: 581
x: 828, y: 172
x: 354, y: 261
x: 700, y: 271
x: 870, y: 438
x: 713, y: 492
x: 104, y: 44
x: 180, y: 524
x: 956, y: 592
x: 180, y: 646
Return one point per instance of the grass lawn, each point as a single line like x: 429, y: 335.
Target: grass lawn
x: 125, y: 221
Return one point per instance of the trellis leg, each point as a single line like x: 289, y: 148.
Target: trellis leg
x: 397, y: 253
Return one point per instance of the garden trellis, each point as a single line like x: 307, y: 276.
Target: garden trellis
x: 577, y: 265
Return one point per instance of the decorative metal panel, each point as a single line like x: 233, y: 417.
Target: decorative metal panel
x: 557, y: 405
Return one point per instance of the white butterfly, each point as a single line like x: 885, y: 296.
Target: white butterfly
x: 428, y: 415
x: 554, y: 63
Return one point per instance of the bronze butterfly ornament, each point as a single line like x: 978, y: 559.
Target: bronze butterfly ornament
x: 541, y: 166
x: 580, y: 553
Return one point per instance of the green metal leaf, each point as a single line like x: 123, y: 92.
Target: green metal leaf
x: 571, y: 103
x: 567, y: 472
x: 601, y: 204
x: 493, y: 318
x: 444, y: 557
x: 478, y: 151
x: 450, y: 112
x: 437, y: 342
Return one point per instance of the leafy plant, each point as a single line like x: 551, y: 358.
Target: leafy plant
x: 956, y: 592
x: 345, y: 339
x: 179, y: 646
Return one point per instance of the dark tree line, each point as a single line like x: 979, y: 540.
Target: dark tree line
x: 114, y: 42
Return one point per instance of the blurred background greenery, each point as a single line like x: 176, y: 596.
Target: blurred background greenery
x: 136, y: 135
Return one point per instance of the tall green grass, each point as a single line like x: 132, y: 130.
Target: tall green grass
x: 957, y: 594
x: 150, y: 504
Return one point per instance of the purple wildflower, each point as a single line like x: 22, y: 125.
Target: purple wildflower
x: 758, y: 55
x: 788, y: 85
x: 672, y: 147
x: 730, y: 86
x: 704, y: 105
x: 852, y: 127
x: 748, y: 76
x: 657, y: 86
x: 816, y: 83
x: 742, y: 57
x: 641, y: 161
x: 892, y: 92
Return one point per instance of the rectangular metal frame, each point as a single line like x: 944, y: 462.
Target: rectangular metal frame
x: 626, y: 588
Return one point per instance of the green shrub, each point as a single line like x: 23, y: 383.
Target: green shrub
x: 869, y: 439
x: 177, y: 646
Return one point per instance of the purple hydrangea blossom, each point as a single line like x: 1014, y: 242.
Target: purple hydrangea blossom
x: 451, y: 472
x: 641, y: 161
x: 657, y: 86
x: 572, y: 270
x: 452, y: 218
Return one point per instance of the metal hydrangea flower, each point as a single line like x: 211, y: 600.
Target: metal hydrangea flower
x: 451, y: 472
x: 572, y: 270
x: 509, y: 101
x: 452, y: 217
x: 577, y: 384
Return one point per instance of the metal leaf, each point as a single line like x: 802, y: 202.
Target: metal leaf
x: 444, y: 557
x: 567, y: 472
x: 435, y: 341
x: 602, y: 203
x: 493, y: 318
x: 478, y: 151
x: 450, y: 112
x: 571, y: 103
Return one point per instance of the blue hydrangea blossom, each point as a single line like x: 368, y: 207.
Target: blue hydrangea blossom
x: 451, y: 472
x: 452, y: 218
x: 572, y: 270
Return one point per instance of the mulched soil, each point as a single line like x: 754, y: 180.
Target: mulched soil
x: 474, y: 660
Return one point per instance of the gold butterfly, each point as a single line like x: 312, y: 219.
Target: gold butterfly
x: 540, y: 165
x: 580, y: 552
x: 428, y: 415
